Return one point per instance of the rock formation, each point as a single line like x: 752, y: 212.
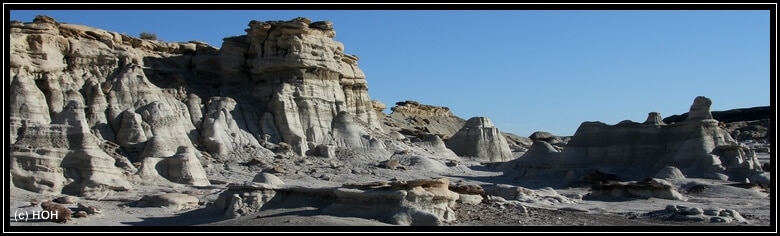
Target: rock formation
x: 700, y: 109
x: 694, y: 214
x: 734, y: 115
x: 670, y: 172
x: 106, y: 116
x: 647, y: 188
x: 413, y: 108
x: 413, y: 202
x: 480, y: 140
x: 698, y: 147
x: 654, y: 118
x: 75, y: 88
x: 64, y: 156
x: 303, y: 79
x: 557, y: 142
x: 173, y: 201
x: 413, y: 118
x: 753, y: 124
x: 182, y: 167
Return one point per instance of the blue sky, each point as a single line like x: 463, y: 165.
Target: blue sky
x: 526, y: 70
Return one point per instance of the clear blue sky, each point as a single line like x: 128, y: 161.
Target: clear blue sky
x: 546, y: 70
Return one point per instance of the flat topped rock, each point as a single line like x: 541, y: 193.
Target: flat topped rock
x: 414, y: 108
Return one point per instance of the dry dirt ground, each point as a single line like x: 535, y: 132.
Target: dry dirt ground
x: 493, y: 217
x: 582, y: 215
x: 504, y: 217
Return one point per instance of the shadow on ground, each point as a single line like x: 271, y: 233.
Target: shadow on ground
x: 194, y: 217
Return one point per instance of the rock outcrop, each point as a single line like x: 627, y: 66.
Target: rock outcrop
x: 696, y: 214
x: 670, y: 173
x: 728, y: 116
x: 547, y: 137
x: 479, y: 140
x: 415, y: 119
x: 173, y: 201
x: 744, y: 124
x: 647, y: 188
x: 654, y: 118
x: 546, y: 196
x: 75, y: 88
x: 700, y: 109
x: 413, y: 202
x: 414, y: 108
x: 64, y: 156
x: 698, y: 147
x: 303, y: 79
x: 182, y: 167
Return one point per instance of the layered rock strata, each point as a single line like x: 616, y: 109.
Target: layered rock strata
x: 479, y: 140
x: 145, y: 101
x: 415, y: 119
x: 413, y: 202
x: 698, y: 147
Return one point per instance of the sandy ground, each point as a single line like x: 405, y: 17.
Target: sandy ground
x: 627, y: 215
x: 581, y: 214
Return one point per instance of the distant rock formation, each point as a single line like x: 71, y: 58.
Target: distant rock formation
x: 557, y: 142
x: 698, y: 147
x: 743, y: 124
x: 479, y: 140
x: 413, y: 108
x: 415, y: 119
x: 700, y: 110
x: 654, y: 118
x: 756, y: 130
x: 734, y: 115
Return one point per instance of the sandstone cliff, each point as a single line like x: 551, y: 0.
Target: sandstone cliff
x: 86, y: 102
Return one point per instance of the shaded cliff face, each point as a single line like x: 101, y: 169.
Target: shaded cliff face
x: 698, y: 146
x: 130, y: 100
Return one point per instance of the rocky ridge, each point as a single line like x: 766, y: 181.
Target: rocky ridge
x: 698, y: 147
